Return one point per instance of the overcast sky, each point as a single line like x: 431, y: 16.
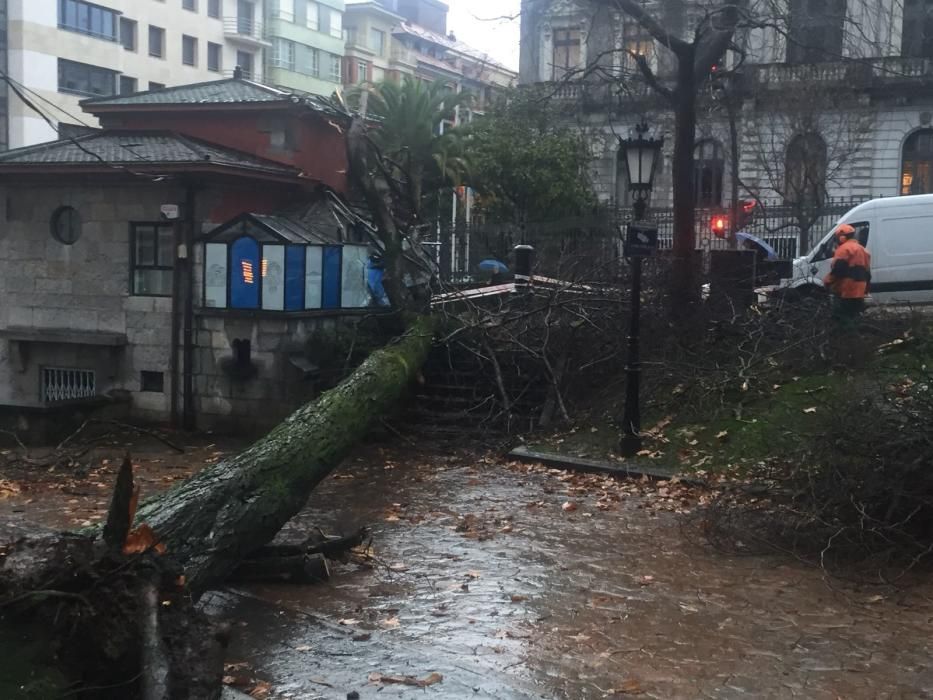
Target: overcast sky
x: 485, y: 25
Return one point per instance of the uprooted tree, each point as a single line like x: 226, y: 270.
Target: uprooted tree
x: 120, y: 601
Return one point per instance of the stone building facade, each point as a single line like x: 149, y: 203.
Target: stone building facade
x: 824, y: 104
x: 176, y: 277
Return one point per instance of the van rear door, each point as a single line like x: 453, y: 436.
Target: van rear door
x: 902, y: 255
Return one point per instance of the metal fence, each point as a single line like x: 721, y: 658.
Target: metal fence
x: 593, y: 241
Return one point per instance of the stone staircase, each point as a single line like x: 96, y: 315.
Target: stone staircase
x: 460, y: 395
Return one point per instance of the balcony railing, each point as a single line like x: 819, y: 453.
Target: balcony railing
x: 244, y: 28
x: 861, y: 73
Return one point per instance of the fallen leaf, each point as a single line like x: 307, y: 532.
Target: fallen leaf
x: 261, y: 690
x: 363, y: 637
x: 348, y: 621
x: 629, y: 687
x: 304, y: 647
x: 722, y: 435
x: 375, y: 677
x: 569, y: 507
x: 142, y: 539
x: 519, y: 598
x: 812, y: 409
x: 646, y: 580
x: 390, y: 623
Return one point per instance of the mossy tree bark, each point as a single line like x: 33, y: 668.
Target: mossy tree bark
x: 213, y: 520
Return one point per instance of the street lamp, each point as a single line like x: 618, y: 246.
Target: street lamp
x: 641, y: 240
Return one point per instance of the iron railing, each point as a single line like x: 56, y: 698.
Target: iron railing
x: 66, y: 384
x: 594, y: 239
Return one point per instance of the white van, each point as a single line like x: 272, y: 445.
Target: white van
x: 898, y: 232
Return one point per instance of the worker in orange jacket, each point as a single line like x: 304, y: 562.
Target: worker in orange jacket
x: 850, y: 275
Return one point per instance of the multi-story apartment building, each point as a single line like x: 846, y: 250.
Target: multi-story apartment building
x: 307, y: 45
x: 388, y: 39
x: 58, y: 52
x: 821, y: 99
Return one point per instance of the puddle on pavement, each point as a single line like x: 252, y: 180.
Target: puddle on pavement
x: 529, y: 600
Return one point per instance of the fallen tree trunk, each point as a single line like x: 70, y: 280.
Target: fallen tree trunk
x: 218, y: 517
x: 113, y: 609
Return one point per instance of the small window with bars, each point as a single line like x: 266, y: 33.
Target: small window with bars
x: 67, y: 384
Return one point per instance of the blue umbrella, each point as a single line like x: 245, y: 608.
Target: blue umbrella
x: 745, y: 236
x: 492, y: 265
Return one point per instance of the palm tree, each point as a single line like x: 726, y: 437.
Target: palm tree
x: 415, y: 135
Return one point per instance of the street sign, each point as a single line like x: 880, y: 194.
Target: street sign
x: 641, y: 240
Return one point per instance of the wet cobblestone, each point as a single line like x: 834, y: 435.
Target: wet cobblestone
x: 487, y: 578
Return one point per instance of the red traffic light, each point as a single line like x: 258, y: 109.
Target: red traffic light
x: 720, y: 225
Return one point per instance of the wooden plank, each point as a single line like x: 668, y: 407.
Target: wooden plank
x: 631, y: 469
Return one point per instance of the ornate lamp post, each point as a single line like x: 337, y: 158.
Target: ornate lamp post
x: 641, y: 240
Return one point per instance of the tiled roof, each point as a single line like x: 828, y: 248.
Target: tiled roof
x: 229, y: 91
x: 134, y: 148
x: 232, y: 91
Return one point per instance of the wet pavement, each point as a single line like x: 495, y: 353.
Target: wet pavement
x: 512, y: 582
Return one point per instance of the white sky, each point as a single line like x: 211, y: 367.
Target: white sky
x: 486, y: 25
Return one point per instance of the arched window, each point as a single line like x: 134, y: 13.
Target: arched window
x: 917, y: 170
x: 708, y: 168
x: 805, y: 171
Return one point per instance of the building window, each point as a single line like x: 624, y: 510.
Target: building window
x: 815, y: 31
x: 247, y: 274
x: 283, y: 54
x: 152, y: 382
x: 361, y: 71
x: 708, y: 168
x: 636, y: 42
x: 917, y: 35
x: 67, y: 384
x: 189, y: 50
x: 336, y: 24
x: 283, y: 9
x: 214, y: 54
x: 190, y: 5
x: 156, y: 41
x: 213, y: 8
x: 335, y: 68
x: 128, y: 34
x: 805, y: 171
x: 244, y: 61
x: 330, y: 21
x: 128, y: 85
x: 917, y: 169
x: 66, y: 225
x: 377, y: 41
x: 82, y: 79
x: 567, y: 55
x: 89, y: 19
x: 156, y: 86
x: 312, y: 19
x: 152, y: 258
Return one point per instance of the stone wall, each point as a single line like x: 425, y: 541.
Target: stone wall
x: 47, y: 285
x: 291, y: 359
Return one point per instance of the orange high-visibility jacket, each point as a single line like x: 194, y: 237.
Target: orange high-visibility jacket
x: 851, y: 271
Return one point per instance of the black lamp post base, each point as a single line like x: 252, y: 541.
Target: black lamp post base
x: 630, y: 445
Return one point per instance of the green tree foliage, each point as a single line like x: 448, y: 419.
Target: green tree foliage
x: 525, y: 164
